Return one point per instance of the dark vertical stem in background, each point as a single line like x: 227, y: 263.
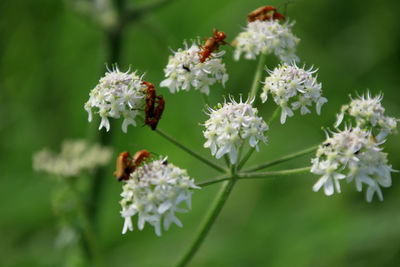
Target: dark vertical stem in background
x: 113, y: 38
x: 114, y: 35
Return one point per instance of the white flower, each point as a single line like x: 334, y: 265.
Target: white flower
x: 154, y: 192
x: 267, y: 37
x: 230, y: 124
x: 293, y: 88
x: 75, y: 157
x: 184, y: 70
x: 368, y: 113
x: 117, y: 94
x: 353, y: 155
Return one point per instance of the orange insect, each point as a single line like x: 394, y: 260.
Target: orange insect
x: 157, y: 113
x: 150, y: 99
x: 265, y: 13
x: 139, y: 157
x: 212, y: 44
x: 153, y: 113
x: 124, y: 167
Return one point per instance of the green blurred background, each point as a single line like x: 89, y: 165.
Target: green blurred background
x: 51, y: 57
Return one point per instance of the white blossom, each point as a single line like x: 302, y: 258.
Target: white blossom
x: 75, y: 157
x: 293, y: 88
x: 353, y: 155
x: 230, y: 124
x: 184, y: 70
x: 117, y: 94
x: 267, y: 37
x: 154, y: 193
x: 368, y: 113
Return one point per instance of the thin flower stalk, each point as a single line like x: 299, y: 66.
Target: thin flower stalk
x: 190, y: 151
x: 232, y: 124
x: 208, y: 220
x: 257, y: 76
x: 251, y: 150
x: 88, y: 231
x: 255, y: 175
x: 282, y: 159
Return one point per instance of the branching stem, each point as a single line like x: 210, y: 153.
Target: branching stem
x: 88, y: 232
x: 251, y: 150
x: 257, y: 76
x: 209, y: 219
x: 282, y: 159
x: 255, y: 175
x: 190, y: 151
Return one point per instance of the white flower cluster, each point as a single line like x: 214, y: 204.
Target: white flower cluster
x: 118, y: 93
x: 75, y: 157
x: 289, y: 83
x: 230, y: 124
x: 267, y: 37
x: 184, y: 70
x: 154, y: 192
x: 369, y: 114
x: 354, y: 155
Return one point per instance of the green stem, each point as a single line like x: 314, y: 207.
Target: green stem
x: 227, y: 160
x: 208, y: 220
x: 240, y: 152
x: 251, y: 150
x: 88, y: 232
x: 214, y: 180
x: 114, y: 41
x: 255, y: 175
x: 257, y: 76
x: 282, y: 159
x: 191, y: 152
x: 246, y: 158
x: 273, y: 116
x: 220, y: 201
x: 206, y: 100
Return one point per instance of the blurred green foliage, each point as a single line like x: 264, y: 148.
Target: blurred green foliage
x: 51, y: 57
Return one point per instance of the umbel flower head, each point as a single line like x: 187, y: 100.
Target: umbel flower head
x: 293, y: 88
x: 230, y: 124
x: 75, y: 156
x: 155, y: 192
x: 117, y: 94
x: 368, y: 113
x: 184, y: 70
x: 353, y: 155
x: 267, y: 37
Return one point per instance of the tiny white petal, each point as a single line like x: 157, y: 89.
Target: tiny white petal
x: 295, y: 87
x: 317, y: 186
x: 117, y: 94
x: 353, y: 155
x: 184, y: 70
x: 328, y: 187
x: 230, y: 124
x: 164, y: 207
x: 369, y: 113
x: 154, y: 193
x: 127, y: 225
x: 339, y: 119
x: 267, y: 37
